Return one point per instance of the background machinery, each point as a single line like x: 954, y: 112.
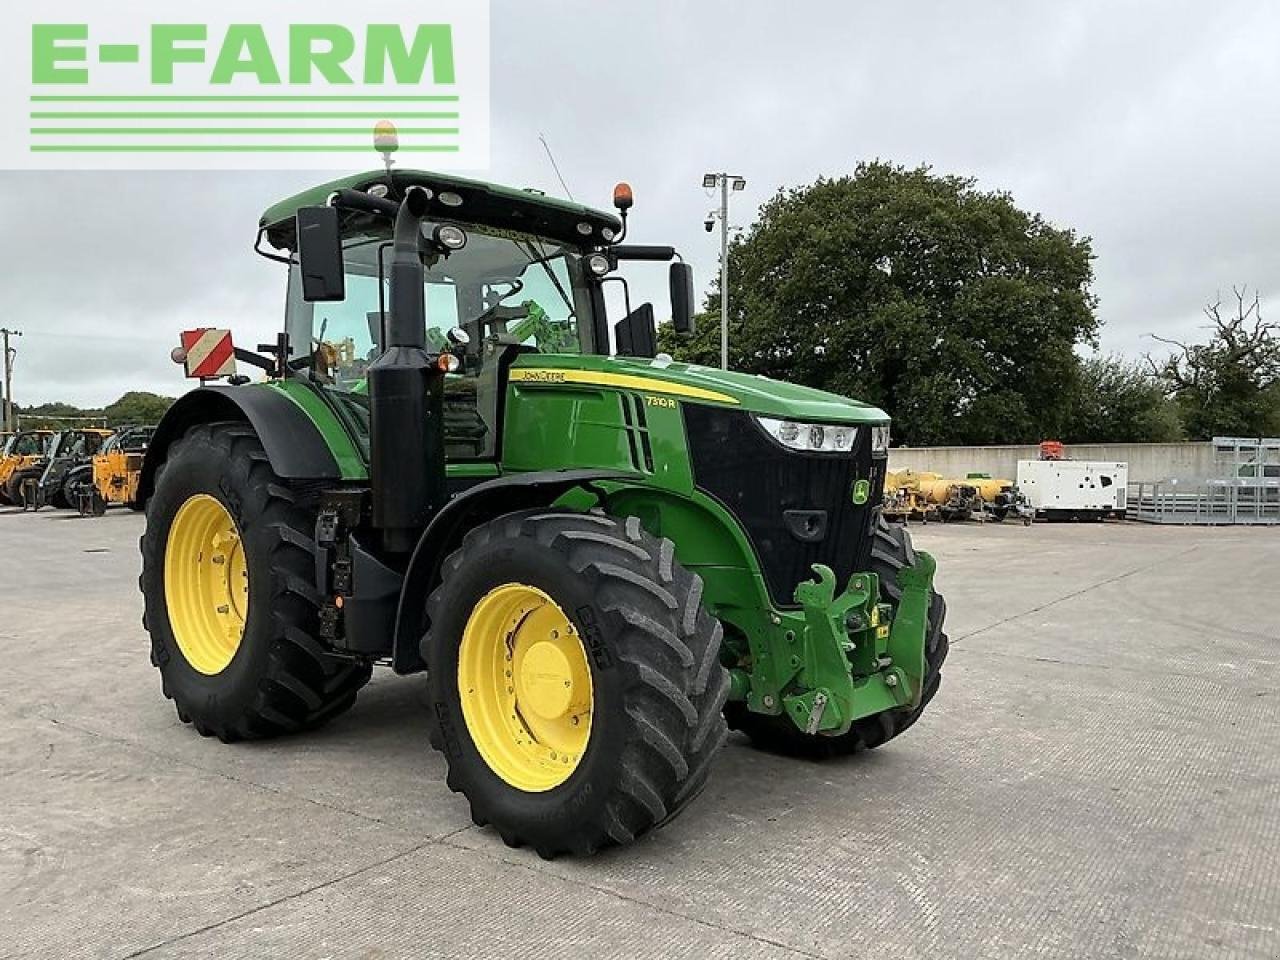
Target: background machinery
x: 21, y: 451
x: 114, y: 474
x: 43, y: 482
x: 922, y: 496
x: 600, y: 557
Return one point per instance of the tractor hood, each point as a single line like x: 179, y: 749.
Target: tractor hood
x: 695, y: 383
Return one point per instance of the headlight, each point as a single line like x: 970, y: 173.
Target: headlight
x: 811, y: 437
x: 880, y: 440
x: 450, y: 237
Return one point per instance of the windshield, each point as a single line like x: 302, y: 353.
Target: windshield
x: 503, y: 287
x: 514, y: 286
x: 25, y: 445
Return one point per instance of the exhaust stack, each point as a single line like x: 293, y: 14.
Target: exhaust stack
x: 406, y: 398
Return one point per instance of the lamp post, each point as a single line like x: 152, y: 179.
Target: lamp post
x: 725, y: 181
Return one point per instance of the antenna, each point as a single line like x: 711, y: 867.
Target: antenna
x: 555, y: 166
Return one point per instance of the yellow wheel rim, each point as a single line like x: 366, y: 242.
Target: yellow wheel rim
x: 525, y: 686
x: 206, y: 584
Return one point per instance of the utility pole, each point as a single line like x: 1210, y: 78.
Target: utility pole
x: 724, y: 181
x: 6, y: 333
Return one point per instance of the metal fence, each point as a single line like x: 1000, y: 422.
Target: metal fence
x: 1206, y: 502
x: 1245, y: 490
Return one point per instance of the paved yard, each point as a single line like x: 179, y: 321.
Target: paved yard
x: 1099, y: 777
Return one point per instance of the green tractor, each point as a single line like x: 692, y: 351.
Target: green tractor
x: 601, y: 558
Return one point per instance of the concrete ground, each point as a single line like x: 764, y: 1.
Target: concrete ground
x: 1099, y: 777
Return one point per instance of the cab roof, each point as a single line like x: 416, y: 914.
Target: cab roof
x: 492, y: 204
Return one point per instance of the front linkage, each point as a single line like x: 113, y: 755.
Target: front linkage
x: 842, y: 657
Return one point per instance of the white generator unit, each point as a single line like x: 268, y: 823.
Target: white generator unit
x: 1085, y: 488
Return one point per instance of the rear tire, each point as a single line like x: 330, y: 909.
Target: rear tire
x: 657, y: 688
x: 280, y: 679
x: 890, y: 552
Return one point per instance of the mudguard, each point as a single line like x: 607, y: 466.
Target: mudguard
x: 478, y: 504
x: 293, y: 443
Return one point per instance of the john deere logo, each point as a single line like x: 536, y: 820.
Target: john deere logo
x: 245, y: 84
x: 861, y: 491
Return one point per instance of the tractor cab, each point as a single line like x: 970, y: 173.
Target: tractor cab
x: 505, y: 273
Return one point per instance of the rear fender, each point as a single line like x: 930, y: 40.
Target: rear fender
x: 292, y: 440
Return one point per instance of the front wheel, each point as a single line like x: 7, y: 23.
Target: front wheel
x: 575, y: 679
x: 891, y: 551
x: 228, y: 574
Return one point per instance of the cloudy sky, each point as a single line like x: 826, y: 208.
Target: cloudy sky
x: 1152, y: 127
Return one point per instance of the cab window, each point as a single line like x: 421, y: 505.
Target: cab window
x: 503, y: 289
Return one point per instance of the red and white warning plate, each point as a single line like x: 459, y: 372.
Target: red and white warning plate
x: 209, y: 353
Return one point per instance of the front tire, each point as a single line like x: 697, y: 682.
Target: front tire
x: 618, y: 640
x: 228, y: 574
x: 890, y: 552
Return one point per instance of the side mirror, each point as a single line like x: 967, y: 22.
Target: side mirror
x: 682, y: 297
x: 636, y: 334
x: 324, y: 279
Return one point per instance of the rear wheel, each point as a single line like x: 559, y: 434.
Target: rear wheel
x: 890, y: 552
x: 228, y: 581
x: 575, y: 680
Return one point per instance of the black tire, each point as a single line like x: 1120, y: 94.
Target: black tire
x: 890, y: 552
x: 281, y: 679
x: 9, y: 491
x: 59, y: 500
x: 659, y: 688
x: 78, y: 487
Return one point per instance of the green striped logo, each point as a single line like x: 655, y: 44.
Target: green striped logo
x: 263, y: 85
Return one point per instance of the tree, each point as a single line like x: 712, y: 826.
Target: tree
x: 1229, y: 386
x: 137, y: 407
x: 55, y: 416
x: 1117, y: 401
x: 949, y: 307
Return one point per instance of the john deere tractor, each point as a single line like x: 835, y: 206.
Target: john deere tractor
x: 600, y: 558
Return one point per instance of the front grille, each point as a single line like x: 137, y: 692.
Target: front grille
x: 759, y: 481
